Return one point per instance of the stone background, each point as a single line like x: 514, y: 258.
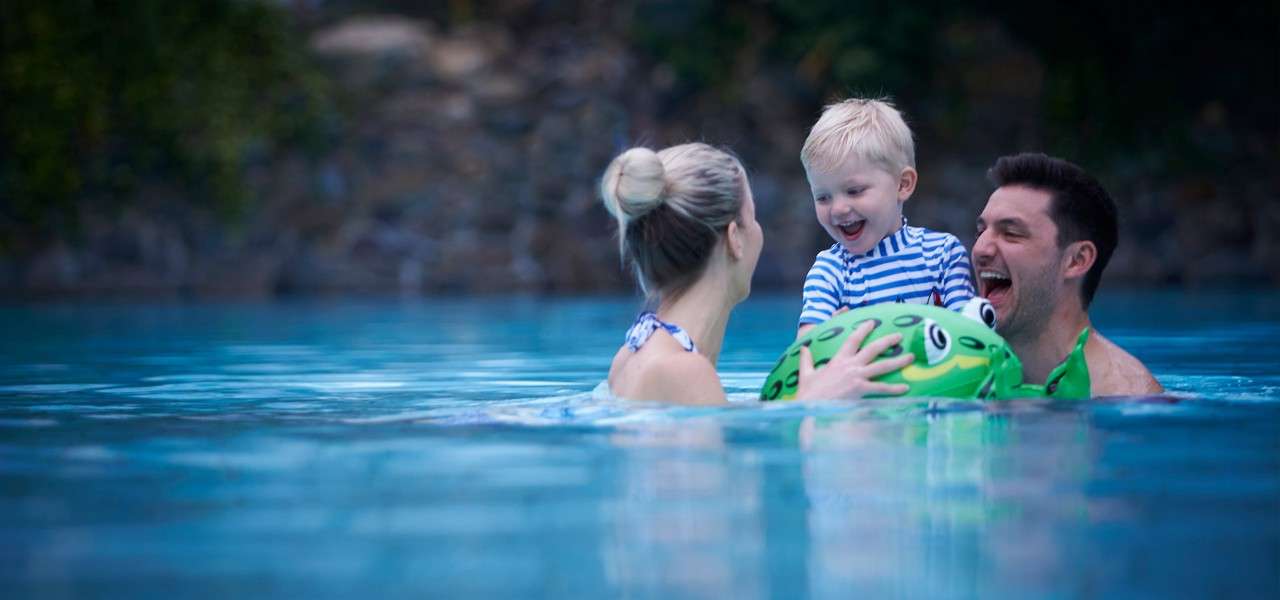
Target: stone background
x: 466, y: 158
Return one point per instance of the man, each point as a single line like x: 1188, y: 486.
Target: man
x: 1044, y: 238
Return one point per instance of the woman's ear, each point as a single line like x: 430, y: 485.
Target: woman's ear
x: 907, y: 183
x: 1079, y: 257
x: 733, y: 240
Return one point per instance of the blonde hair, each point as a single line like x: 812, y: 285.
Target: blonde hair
x: 867, y: 129
x: 671, y: 207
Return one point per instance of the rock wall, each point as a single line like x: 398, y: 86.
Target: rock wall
x: 466, y: 162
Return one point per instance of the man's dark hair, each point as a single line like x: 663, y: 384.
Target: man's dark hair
x: 1079, y: 206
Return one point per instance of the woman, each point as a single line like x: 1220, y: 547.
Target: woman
x: 686, y: 223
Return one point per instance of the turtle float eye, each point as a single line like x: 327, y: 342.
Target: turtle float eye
x: 937, y: 342
x: 980, y: 310
x: 988, y: 314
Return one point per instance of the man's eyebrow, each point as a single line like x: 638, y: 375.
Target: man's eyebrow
x: 1005, y: 223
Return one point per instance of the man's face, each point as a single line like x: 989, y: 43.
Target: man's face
x: 1017, y: 259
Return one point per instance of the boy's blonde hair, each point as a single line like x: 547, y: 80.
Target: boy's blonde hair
x: 864, y: 128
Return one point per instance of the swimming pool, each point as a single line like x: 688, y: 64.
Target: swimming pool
x: 450, y: 448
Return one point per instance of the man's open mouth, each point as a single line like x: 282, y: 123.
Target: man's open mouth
x: 851, y: 231
x: 993, y: 285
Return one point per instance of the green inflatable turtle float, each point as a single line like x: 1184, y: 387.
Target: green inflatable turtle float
x: 957, y: 354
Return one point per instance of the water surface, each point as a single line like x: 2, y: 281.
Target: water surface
x: 451, y: 448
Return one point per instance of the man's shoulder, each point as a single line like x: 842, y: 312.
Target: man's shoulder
x: 1113, y: 371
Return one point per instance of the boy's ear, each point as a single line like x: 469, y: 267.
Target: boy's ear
x: 907, y: 183
x: 1079, y: 258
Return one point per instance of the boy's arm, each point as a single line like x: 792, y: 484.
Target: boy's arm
x: 804, y: 328
x: 821, y: 296
x: 957, y: 277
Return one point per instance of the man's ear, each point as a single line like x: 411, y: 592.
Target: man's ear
x: 907, y: 183
x: 1079, y: 258
x: 733, y: 240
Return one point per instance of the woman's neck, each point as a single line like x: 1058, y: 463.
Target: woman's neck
x: 703, y: 312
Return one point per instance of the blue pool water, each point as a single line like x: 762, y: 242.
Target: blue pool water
x: 451, y: 448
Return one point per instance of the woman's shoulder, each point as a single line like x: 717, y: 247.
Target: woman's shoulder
x: 687, y: 378
x: 668, y: 374
x: 677, y: 366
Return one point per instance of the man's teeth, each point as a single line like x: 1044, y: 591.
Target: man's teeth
x: 993, y: 275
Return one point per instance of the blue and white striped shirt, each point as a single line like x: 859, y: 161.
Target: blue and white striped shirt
x: 913, y: 265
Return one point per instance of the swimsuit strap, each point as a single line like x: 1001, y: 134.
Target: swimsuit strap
x: 647, y: 323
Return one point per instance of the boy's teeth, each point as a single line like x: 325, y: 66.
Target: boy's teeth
x: 849, y: 227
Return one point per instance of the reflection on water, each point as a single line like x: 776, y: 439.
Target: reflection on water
x: 943, y: 509
x: 685, y: 518
x: 430, y: 449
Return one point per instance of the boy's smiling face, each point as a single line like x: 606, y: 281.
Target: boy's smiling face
x: 859, y: 203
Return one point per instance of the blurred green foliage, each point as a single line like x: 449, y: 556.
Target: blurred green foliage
x: 1176, y: 86
x: 98, y: 97
x: 871, y: 47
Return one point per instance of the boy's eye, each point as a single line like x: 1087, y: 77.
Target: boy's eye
x: 853, y: 191
x: 822, y: 198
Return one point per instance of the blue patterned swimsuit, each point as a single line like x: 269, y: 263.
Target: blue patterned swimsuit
x: 647, y: 323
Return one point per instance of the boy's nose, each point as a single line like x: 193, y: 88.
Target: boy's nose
x: 841, y: 206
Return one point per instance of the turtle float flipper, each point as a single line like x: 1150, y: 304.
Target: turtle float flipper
x: 1070, y: 379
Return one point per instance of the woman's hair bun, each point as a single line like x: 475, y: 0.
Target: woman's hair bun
x: 633, y: 184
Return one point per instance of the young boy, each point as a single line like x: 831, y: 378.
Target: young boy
x: 860, y: 162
